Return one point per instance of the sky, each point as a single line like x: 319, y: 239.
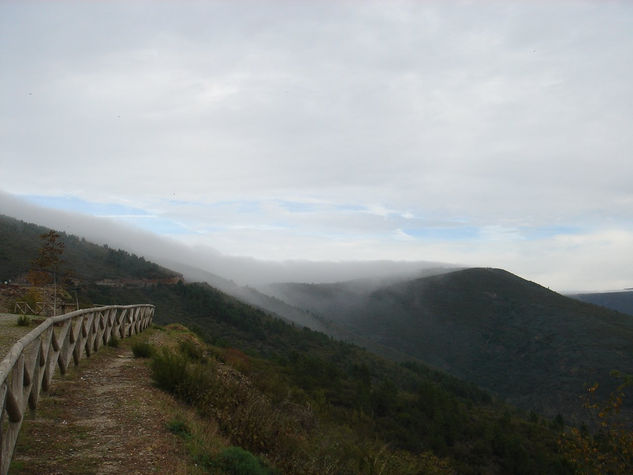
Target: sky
x: 477, y: 133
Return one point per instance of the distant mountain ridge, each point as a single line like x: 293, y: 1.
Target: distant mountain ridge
x: 620, y: 301
x: 528, y: 344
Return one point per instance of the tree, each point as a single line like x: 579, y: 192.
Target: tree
x: 45, y: 266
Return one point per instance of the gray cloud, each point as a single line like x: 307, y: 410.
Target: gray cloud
x: 498, y: 116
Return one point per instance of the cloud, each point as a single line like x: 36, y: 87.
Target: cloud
x: 323, y: 129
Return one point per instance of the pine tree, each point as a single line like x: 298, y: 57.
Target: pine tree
x: 45, y: 266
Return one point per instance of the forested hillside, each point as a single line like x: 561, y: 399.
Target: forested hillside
x: 20, y: 244
x: 516, y: 338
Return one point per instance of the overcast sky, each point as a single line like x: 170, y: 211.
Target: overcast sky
x: 479, y: 133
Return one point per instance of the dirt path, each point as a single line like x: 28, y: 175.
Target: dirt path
x: 104, y: 417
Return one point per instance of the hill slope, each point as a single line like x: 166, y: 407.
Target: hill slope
x: 359, y: 397
x: 20, y: 243
x: 526, y: 343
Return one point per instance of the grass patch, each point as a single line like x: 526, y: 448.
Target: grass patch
x: 237, y: 461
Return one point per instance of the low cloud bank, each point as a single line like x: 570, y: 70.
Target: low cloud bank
x: 182, y: 258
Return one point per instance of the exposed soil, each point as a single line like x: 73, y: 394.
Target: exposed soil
x: 102, y: 417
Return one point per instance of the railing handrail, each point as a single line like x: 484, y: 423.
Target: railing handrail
x: 29, y: 365
x: 9, y: 360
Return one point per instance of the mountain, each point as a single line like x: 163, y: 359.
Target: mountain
x: 532, y: 346
x: 352, y: 406
x: 619, y: 301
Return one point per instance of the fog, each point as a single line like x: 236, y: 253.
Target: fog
x: 196, y: 262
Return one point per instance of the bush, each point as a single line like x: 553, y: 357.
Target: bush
x: 237, y: 461
x: 142, y: 349
x: 113, y: 342
x: 168, y: 370
x: 24, y: 321
x: 191, y: 350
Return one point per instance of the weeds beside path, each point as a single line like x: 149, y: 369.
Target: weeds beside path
x: 102, y: 417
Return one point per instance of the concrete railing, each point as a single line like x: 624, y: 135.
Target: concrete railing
x: 30, y: 364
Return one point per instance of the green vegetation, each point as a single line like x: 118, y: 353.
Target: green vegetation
x: 231, y: 460
x: 349, y: 410
x: 266, y: 415
x: 179, y: 427
x: 237, y: 461
x: 23, y: 321
x: 142, y: 349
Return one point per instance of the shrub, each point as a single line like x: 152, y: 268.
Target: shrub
x: 24, y: 321
x: 237, y: 461
x: 114, y: 342
x: 191, y: 350
x: 168, y: 370
x: 142, y: 349
x: 179, y: 427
